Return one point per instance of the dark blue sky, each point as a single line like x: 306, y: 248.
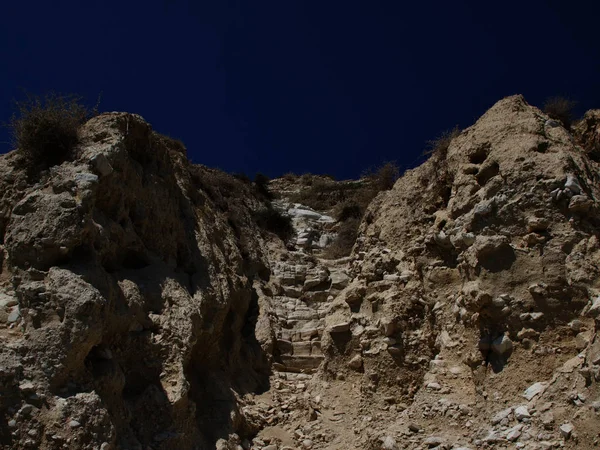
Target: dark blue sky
x: 304, y: 86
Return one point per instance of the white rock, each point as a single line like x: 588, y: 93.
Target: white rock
x: 536, y: 315
x: 304, y: 213
x: 500, y: 416
x: 566, y: 430
x: 468, y: 239
x: 514, y: 433
x: 483, y: 208
x: 575, y: 325
x: 547, y: 420
x: 339, y: 327
x: 389, y: 443
x: 594, y: 311
x: 433, y: 441
x: 7, y: 300
x: 86, y: 179
x: 405, y: 276
x: 493, y: 437
x: 14, y: 315
x: 499, y: 302
x: 534, y: 389
x: 502, y: 345
x: 339, y: 280
x: 27, y: 386
x: 356, y: 363
x: 434, y: 386
x: 325, y: 240
x: 442, y: 239
x: 573, y: 184
x: 521, y: 413
x: 307, y: 444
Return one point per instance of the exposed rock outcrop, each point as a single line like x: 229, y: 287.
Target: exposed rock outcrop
x: 471, y: 290
x: 144, y: 308
x: 137, y: 303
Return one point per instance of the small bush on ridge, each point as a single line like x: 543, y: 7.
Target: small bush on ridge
x: 561, y: 109
x: 45, y: 130
x: 261, y: 182
x: 272, y: 220
x: 345, y: 240
x: 439, y: 146
x: 384, y: 177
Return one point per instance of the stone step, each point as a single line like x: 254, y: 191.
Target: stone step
x: 292, y: 363
x: 301, y: 330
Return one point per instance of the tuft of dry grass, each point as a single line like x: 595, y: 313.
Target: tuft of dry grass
x: 439, y: 146
x: 270, y: 219
x: 45, y: 130
x: 383, y: 177
x: 561, y: 109
x: 345, y: 240
x: 169, y: 142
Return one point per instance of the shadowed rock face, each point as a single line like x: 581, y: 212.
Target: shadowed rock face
x: 134, y: 300
x: 143, y: 308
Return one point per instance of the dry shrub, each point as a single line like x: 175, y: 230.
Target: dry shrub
x: 384, y: 177
x: 261, y: 182
x: 45, y: 129
x: 560, y: 108
x: 169, y: 143
x: 349, y: 210
x: 307, y: 179
x: 290, y: 176
x: 342, y: 246
x: 440, y: 176
x: 243, y: 177
x: 438, y: 147
x: 323, y: 194
x: 270, y: 219
x: 223, y: 189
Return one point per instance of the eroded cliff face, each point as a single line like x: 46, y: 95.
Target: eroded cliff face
x: 144, y: 308
x: 132, y: 302
x: 475, y: 278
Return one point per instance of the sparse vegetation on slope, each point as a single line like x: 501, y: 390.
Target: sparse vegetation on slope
x: 45, y: 130
x: 270, y: 219
x: 350, y: 211
x: 439, y: 146
x: 146, y: 302
x: 561, y: 109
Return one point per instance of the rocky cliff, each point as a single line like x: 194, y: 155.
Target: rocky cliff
x: 144, y: 307
x: 130, y: 297
x: 472, y: 304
